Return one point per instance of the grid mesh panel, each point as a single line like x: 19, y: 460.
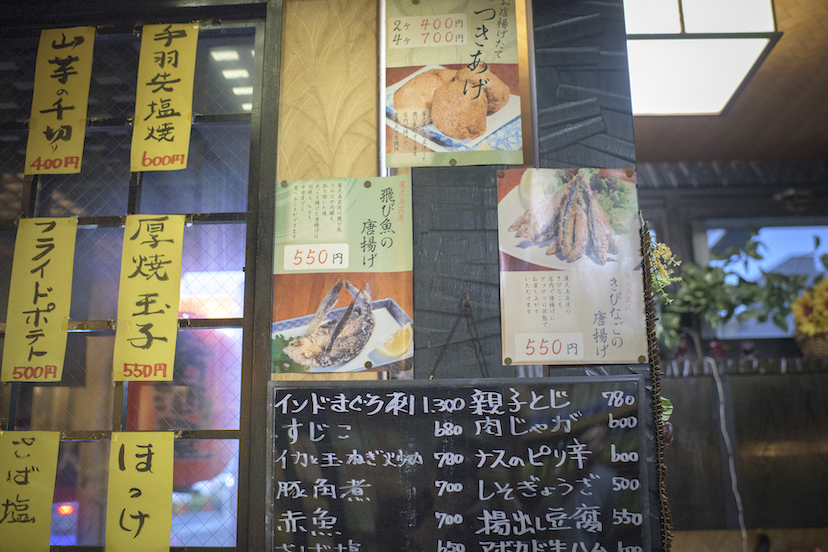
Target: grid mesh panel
x: 6, y: 256
x: 215, y: 180
x: 81, y: 483
x: 17, y: 69
x: 205, y: 390
x: 205, y: 498
x: 95, y: 274
x: 12, y: 164
x: 102, y: 186
x: 83, y: 400
x: 212, y: 277
x: 114, y: 77
x: 218, y: 95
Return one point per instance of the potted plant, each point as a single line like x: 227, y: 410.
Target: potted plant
x: 713, y: 295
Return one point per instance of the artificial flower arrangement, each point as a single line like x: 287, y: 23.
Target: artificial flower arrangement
x: 811, y: 309
x: 811, y: 319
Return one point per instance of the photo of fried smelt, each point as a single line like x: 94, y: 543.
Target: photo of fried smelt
x: 569, y: 221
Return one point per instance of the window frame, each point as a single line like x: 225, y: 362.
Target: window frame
x: 265, y: 16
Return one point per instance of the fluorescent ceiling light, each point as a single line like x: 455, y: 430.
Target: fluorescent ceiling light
x: 688, y: 77
x: 689, y: 57
x: 247, y: 106
x: 243, y: 90
x: 224, y: 55
x: 652, y: 17
x: 232, y: 74
x: 728, y: 16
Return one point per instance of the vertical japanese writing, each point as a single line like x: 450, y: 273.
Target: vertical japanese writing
x: 402, y: 202
x: 163, y: 105
x: 161, y: 110
x: 378, y: 232
x: 140, y: 490
x: 59, y: 106
x: 28, y: 464
x: 148, y: 299
x: 39, y: 300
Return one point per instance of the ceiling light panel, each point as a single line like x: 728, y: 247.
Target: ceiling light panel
x: 233, y: 74
x: 652, y: 17
x: 224, y: 55
x: 688, y: 77
x: 728, y: 16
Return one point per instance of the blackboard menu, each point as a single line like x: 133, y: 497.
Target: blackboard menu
x: 494, y: 465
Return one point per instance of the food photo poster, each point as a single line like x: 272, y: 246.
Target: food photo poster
x: 452, y: 94
x: 342, y: 276
x: 571, y: 282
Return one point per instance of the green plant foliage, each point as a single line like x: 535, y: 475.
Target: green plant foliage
x: 708, y: 293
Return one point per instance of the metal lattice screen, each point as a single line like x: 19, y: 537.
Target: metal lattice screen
x: 203, y: 400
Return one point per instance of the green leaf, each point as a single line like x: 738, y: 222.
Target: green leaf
x: 666, y: 409
x: 748, y: 314
x: 781, y: 321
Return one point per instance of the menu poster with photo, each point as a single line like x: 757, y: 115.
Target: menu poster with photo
x: 343, y: 288
x: 451, y: 92
x: 571, y: 283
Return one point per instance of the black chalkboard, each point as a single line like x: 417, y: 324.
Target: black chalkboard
x: 517, y: 465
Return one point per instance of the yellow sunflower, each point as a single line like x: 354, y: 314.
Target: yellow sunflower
x: 811, y: 310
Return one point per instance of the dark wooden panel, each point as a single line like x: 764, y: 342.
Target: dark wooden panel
x: 583, y: 90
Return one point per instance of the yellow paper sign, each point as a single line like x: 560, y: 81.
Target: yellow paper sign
x: 148, y: 298
x: 164, y: 98
x: 39, y: 298
x: 28, y: 466
x: 139, y: 497
x: 57, y: 127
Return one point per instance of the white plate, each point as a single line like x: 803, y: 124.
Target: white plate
x: 435, y: 139
x: 388, y: 318
x: 508, y: 211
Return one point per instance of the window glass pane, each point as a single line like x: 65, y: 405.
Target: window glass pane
x: 212, y: 276
x: 204, y: 392
x: 6, y: 256
x: 12, y: 161
x: 114, y: 76
x: 82, y: 400
x: 220, y: 51
x: 96, y: 273
x: 17, y: 79
x: 79, y: 503
x: 786, y: 250
x: 205, y: 493
x: 215, y: 179
x: 102, y: 186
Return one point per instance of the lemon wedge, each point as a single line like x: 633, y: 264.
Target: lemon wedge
x: 397, y: 343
